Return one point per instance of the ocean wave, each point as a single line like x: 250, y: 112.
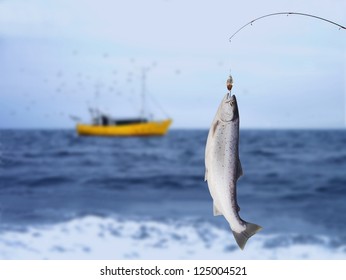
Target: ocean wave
x: 44, y: 181
x: 94, y: 237
x: 335, y: 187
x: 263, y: 152
x: 167, y: 181
x: 336, y: 158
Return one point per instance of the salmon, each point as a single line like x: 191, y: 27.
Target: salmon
x: 223, y: 168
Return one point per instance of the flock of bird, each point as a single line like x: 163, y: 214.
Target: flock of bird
x: 69, y: 91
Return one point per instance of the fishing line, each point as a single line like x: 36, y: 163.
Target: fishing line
x: 286, y: 13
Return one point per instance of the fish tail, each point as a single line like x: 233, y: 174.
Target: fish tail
x: 242, y: 237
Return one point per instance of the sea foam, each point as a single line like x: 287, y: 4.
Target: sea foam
x: 94, y: 237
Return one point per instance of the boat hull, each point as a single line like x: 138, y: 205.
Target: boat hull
x: 151, y: 128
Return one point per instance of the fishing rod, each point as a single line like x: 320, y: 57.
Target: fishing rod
x: 286, y: 13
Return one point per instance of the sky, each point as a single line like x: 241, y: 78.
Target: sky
x: 58, y: 58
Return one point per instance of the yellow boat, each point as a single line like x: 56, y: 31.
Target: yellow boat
x: 148, y: 128
x: 104, y: 125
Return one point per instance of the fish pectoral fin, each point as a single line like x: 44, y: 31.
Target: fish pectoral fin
x: 242, y: 237
x: 206, y: 174
x: 239, y: 170
x: 216, y: 211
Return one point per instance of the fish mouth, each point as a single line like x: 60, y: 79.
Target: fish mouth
x: 230, y: 98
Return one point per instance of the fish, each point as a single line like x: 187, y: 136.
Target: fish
x: 223, y: 168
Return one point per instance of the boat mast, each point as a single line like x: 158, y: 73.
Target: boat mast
x: 144, y: 76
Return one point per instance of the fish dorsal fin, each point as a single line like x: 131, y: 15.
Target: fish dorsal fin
x: 239, y: 169
x: 216, y: 211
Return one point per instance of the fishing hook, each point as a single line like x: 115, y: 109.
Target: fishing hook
x: 286, y: 13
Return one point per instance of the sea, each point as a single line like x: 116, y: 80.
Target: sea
x: 63, y: 196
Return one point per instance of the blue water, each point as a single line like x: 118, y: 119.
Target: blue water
x: 147, y: 196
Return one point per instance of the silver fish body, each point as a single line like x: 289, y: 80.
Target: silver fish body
x: 223, y: 168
